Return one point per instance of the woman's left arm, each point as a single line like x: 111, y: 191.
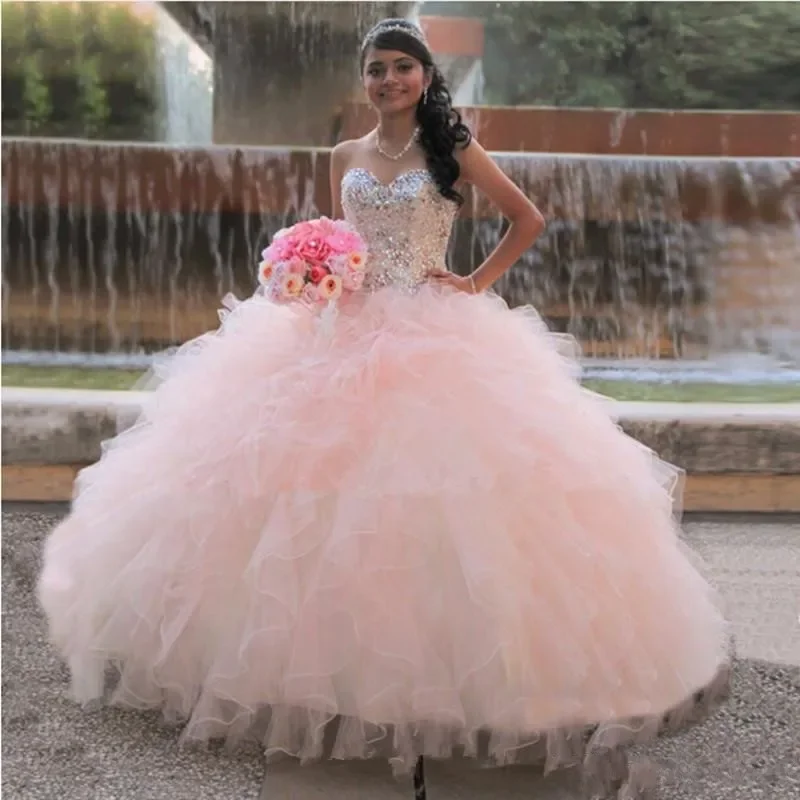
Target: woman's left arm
x: 526, y: 220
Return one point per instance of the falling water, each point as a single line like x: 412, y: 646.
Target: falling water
x: 661, y: 257
x: 186, y: 77
x: 127, y: 249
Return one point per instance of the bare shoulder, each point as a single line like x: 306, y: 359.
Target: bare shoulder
x: 344, y: 153
x: 473, y: 159
x: 343, y: 156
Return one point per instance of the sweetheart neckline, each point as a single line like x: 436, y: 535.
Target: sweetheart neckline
x: 393, y: 181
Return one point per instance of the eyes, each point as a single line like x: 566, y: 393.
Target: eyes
x: 378, y: 70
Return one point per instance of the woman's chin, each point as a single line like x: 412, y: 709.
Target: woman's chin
x: 396, y: 105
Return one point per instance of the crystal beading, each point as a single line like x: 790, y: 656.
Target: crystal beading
x: 410, y: 30
x: 405, y: 223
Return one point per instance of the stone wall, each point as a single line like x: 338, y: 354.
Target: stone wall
x: 619, y: 132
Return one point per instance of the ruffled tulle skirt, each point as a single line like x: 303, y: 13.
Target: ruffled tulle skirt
x: 409, y: 532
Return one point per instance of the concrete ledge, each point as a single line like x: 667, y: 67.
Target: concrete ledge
x: 55, y: 426
x: 762, y: 494
x: 737, y: 457
x: 719, y: 439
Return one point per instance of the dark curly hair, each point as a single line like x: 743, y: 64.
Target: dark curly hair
x: 441, y: 128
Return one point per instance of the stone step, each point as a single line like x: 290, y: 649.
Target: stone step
x: 743, y: 458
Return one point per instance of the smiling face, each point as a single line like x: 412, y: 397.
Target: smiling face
x: 394, y: 81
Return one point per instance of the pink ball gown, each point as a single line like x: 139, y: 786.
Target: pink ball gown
x: 415, y: 526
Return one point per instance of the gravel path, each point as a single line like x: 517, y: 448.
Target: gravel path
x: 53, y: 750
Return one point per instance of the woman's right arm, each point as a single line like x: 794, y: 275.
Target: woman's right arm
x: 340, y: 157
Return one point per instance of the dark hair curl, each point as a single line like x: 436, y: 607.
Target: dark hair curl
x: 441, y: 128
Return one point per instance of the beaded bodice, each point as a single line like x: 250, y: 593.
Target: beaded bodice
x: 406, y: 225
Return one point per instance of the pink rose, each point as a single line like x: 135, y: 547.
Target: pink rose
x: 344, y: 242
x: 325, y: 227
x: 280, y: 249
x: 301, y: 230
x: 317, y: 273
x: 313, y: 250
x: 298, y: 266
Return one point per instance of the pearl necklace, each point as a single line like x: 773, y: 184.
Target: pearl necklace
x: 397, y: 157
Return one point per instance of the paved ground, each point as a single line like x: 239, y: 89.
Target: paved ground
x: 749, y: 751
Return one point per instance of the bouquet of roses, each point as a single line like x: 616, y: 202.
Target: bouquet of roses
x: 313, y: 262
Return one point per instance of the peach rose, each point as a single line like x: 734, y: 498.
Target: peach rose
x: 356, y: 261
x: 292, y: 285
x: 330, y: 287
x: 266, y: 270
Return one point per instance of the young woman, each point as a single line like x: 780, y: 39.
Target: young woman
x: 416, y: 537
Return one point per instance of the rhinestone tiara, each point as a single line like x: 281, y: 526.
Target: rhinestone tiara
x: 410, y: 30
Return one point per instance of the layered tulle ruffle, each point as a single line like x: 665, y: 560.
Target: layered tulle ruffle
x: 414, y: 523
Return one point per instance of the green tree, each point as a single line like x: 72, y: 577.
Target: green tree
x: 78, y: 69
x: 683, y: 55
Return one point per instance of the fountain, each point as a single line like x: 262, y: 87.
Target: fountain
x: 122, y: 248
x: 663, y: 257
x: 186, y: 80
x: 676, y: 237
x: 267, y: 55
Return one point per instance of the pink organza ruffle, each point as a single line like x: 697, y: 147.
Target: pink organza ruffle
x: 412, y: 524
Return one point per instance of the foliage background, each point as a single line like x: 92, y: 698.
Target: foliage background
x: 678, y: 55
x: 89, y: 70
x: 83, y: 70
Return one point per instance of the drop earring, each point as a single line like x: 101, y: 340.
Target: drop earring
x: 425, y: 96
